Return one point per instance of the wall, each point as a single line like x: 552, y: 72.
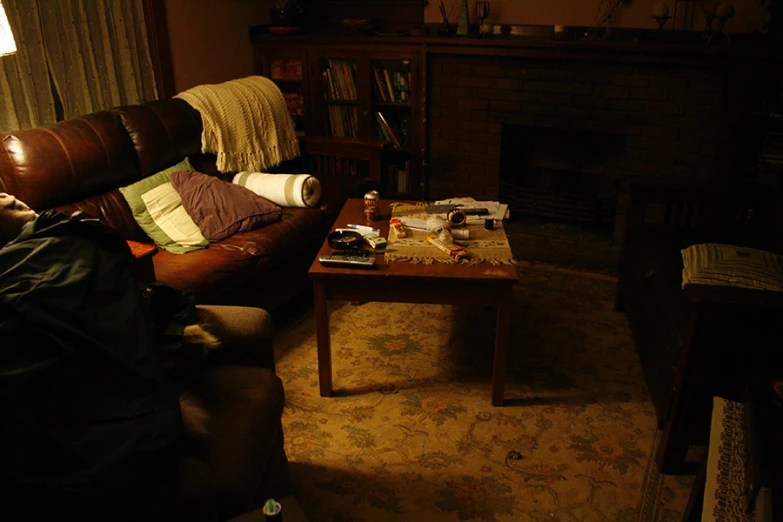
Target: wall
x: 209, y: 41
x: 635, y: 13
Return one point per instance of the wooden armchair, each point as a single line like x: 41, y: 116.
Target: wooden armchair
x: 343, y: 158
x: 701, y: 340
x: 346, y: 167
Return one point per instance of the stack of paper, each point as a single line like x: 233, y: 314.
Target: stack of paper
x: 496, y: 210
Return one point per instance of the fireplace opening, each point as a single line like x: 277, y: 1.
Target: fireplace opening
x: 560, y: 175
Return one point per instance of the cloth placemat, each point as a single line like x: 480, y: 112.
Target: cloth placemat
x: 484, y: 246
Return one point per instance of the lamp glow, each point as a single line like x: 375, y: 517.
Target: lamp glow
x: 7, y: 44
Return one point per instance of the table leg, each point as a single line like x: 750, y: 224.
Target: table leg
x: 503, y: 331
x: 322, y: 338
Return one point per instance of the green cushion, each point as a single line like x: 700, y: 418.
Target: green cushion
x: 728, y: 265
x: 158, y: 210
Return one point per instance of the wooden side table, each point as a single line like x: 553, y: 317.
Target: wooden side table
x: 143, y: 252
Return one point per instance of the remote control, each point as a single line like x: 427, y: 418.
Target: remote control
x: 347, y: 261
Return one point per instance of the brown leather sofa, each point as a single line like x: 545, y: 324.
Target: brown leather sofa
x: 702, y: 340
x: 81, y: 163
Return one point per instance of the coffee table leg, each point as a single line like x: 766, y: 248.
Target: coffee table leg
x: 322, y: 338
x: 501, y: 347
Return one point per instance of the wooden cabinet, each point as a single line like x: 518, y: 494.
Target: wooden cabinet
x: 350, y: 90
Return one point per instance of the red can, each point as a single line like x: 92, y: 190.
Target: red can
x: 372, y: 204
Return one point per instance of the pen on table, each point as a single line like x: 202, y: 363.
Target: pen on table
x: 363, y: 229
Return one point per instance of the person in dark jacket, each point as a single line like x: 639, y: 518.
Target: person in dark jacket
x: 14, y: 214
x: 90, y: 419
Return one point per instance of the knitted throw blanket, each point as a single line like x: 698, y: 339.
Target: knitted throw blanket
x: 246, y: 123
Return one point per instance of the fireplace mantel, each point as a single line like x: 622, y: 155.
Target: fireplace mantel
x: 665, y: 47
x: 696, y: 53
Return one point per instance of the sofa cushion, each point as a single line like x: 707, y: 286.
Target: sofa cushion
x: 730, y: 265
x: 158, y: 209
x: 69, y: 161
x: 161, y: 131
x: 221, y: 209
x: 287, y: 190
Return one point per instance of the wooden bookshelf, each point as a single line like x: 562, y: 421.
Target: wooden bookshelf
x: 352, y: 90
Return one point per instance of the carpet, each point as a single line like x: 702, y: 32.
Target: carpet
x: 411, y: 434
x: 564, y: 245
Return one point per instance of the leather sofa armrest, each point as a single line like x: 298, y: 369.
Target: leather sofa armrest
x: 730, y: 295
x: 245, y: 334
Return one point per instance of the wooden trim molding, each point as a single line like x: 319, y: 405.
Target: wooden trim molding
x: 160, y: 47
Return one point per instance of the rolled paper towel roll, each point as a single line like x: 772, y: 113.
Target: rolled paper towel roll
x: 287, y: 190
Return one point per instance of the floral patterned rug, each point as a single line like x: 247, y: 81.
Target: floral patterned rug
x: 410, y: 434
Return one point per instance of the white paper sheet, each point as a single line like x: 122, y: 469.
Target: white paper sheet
x: 496, y: 210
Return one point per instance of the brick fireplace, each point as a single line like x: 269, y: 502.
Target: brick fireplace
x: 560, y: 174
x: 678, y: 120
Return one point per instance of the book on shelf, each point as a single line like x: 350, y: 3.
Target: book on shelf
x: 339, y: 78
x: 392, y: 83
x: 402, y: 178
x: 342, y: 120
x: 398, y: 177
x: 389, y: 85
x: 286, y: 69
x: 385, y: 130
x: 378, y: 83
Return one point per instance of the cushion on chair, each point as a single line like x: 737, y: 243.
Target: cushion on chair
x: 221, y: 209
x: 729, y: 265
x: 158, y: 210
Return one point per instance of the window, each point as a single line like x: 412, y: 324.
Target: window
x: 7, y: 43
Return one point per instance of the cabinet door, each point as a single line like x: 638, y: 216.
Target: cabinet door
x: 288, y: 69
x: 395, y: 117
x: 336, y: 96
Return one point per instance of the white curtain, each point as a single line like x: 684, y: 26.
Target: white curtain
x: 98, y: 53
x: 94, y: 53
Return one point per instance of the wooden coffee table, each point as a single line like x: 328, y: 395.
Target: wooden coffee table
x: 482, y: 284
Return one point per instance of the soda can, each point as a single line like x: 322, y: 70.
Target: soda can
x: 372, y: 203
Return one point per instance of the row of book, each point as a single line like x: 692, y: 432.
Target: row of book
x: 342, y: 120
x: 391, y: 85
x: 339, y: 77
x: 396, y: 131
x: 398, y: 178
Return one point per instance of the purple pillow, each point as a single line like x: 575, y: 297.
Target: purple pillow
x: 220, y: 208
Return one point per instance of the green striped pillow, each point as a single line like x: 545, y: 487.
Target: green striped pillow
x: 158, y: 210
x: 728, y: 265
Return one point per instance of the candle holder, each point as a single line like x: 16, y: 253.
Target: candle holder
x: 482, y: 13
x: 720, y: 30
x: 661, y: 20
x: 723, y: 13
